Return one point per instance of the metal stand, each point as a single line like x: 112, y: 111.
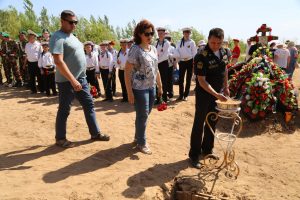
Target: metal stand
x: 226, y: 141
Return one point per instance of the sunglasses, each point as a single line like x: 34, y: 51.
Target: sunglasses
x: 147, y: 34
x: 71, y: 22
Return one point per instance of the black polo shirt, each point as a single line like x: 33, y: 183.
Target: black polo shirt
x: 207, y: 64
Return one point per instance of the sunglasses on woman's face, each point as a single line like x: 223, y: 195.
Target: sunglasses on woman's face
x: 71, y: 22
x: 147, y: 34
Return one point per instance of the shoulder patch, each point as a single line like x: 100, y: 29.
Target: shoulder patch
x: 199, y: 65
x: 204, y: 53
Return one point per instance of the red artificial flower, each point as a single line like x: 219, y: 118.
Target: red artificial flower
x: 262, y: 114
x: 247, y: 109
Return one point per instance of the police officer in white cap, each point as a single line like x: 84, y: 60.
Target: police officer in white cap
x: 185, y: 52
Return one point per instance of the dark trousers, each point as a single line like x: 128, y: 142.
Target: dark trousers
x: 123, y: 85
x: 113, y: 82
x: 49, y: 83
x: 34, y: 72
x: 170, y: 82
x: 106, y: 83
x: 202, y: 143
x: 163, y: 70
x: 92, y: 79
x: 185, y: 66
x: 66, y: 97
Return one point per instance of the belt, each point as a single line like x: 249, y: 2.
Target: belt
x: 104, y: 67
x: 185, y: 59
x: 90, y: 68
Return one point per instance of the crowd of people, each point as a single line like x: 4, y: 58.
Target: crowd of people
x: 145, y: 69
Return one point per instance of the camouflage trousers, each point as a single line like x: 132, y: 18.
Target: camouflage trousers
x: 11, y: 66
x: 23, y: 71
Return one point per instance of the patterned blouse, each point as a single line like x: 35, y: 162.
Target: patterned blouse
x: 145, y: 67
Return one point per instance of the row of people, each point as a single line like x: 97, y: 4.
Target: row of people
x: 142, y: 80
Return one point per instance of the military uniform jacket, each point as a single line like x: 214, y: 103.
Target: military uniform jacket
x: 207, y: 64
x: 21, y: 45
x: 10, y: 48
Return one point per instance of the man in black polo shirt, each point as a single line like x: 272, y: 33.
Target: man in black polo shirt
x: 212, y: 76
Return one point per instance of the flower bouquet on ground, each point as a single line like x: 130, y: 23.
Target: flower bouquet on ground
x: 263, y: 87
x: 257, y: 100
x: 162, y: 105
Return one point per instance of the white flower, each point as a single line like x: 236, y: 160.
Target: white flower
x: 247, y: 96
x: 249, y: 103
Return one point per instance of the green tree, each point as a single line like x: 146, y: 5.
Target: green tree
x: 29, y: 18
x: 10, y: 22
x: 44, y: 19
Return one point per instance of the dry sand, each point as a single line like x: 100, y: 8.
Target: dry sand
x: 32, y: 168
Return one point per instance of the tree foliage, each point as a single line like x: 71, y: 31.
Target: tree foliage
x: 94, y: 29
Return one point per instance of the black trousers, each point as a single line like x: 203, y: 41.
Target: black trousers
x: 123, y: 85
x: 185, y: 66
x: 170, y: 82
x: 49, y: 83
x: 106, y: 83
x: 92, y: 79
x: 113, y: 82
x: 202, y: 143
x: 163, y: 70
x: 34, y: 72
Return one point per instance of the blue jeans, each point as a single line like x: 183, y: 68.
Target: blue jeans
x: 144, y: 100
x: 66, y: 96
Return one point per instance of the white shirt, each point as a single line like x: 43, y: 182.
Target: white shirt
x: 247, y: 52
x: 106, y: 60
x: 171, y: 56
x: 185, y: 51
x: 283, y: 55
x: 163, y: 50
x: 33, y: 50
x: 46, y: 60
x: 96, y: 49
x: 92, y: 62
x: 122, y: 59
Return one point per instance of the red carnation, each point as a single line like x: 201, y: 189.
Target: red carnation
x: 262, y: 114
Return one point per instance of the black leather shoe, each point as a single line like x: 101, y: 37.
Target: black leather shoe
x: 180, y: 98
x: 100, y: 137
x: 195, y: 163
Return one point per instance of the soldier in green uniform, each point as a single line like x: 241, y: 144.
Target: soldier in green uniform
x: 10, y: 51
x: 212, y: 76
x: 22, y: 57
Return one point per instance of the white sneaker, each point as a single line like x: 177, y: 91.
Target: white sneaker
x: 144, y: 149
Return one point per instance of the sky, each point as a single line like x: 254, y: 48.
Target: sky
x: 238, y: 18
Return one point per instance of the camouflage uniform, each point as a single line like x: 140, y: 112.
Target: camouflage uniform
x: 22, y: 57
x: 11, y: 51
x: 3, y: 58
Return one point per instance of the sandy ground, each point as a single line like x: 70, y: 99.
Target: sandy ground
x: 32, y: 168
